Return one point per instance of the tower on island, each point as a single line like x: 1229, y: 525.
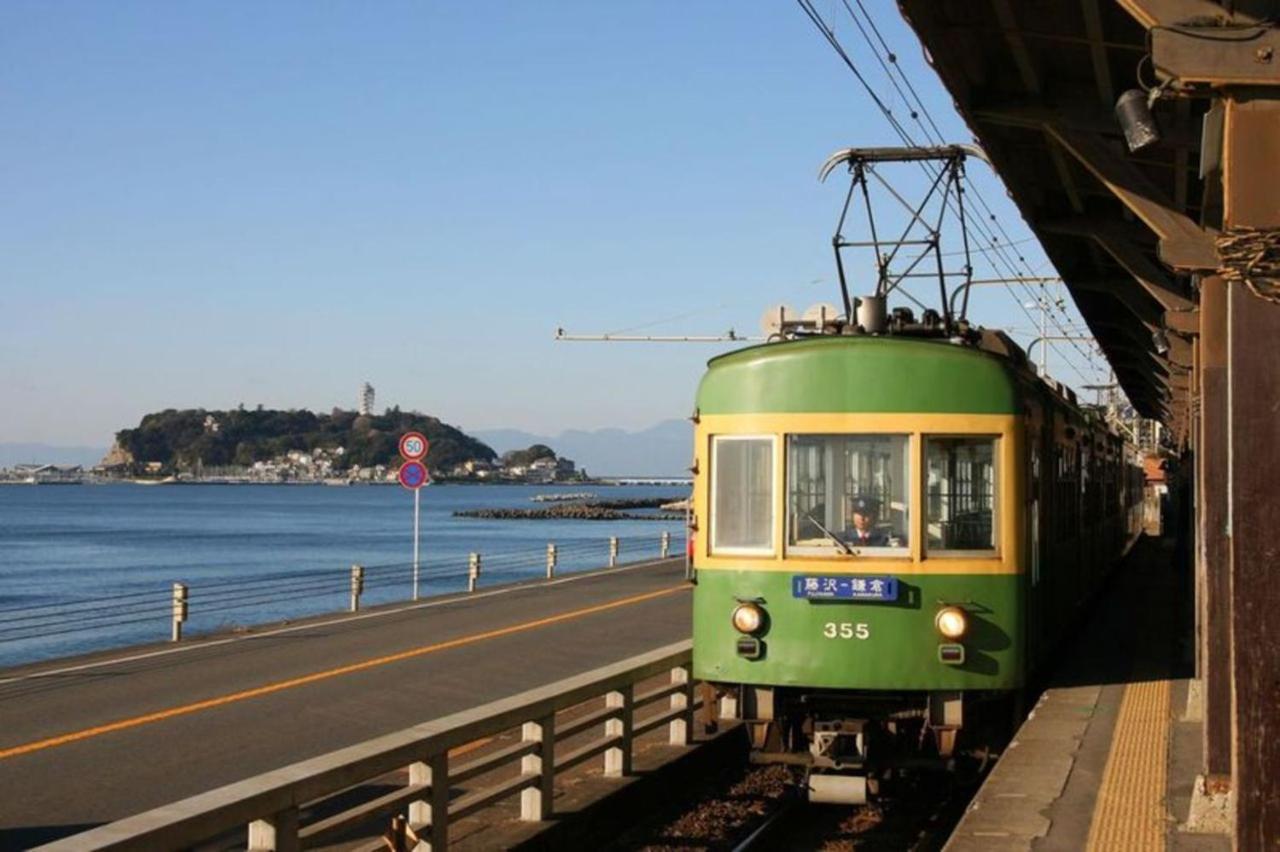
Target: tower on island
x: 366, y: 399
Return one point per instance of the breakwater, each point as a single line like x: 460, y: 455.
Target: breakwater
x: 594, y: 510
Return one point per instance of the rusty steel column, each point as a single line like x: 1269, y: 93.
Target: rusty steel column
x: 1251, y: 198
x: 1213, y: 460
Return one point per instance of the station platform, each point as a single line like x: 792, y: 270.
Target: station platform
x: 1107, y: 760
x: 91, y: 740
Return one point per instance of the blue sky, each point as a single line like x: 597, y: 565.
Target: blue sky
x: 214, y: 203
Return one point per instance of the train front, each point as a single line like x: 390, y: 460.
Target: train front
x: 858, y: 550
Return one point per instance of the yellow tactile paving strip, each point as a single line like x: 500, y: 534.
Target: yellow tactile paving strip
x: 1129, y: 815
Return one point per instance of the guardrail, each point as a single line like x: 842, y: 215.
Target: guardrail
x: 272, y: 805
x: 130, y: 615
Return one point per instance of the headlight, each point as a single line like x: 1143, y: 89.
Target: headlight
x: 748, y: 618
x: 951, y: 622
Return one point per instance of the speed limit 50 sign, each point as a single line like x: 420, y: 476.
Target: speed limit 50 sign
x: 414, y: 446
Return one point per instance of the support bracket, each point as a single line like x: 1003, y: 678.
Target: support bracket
x: 1216, y: 56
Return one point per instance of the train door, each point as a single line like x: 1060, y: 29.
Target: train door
x: 1034, y: 465
x: 1034, y: 581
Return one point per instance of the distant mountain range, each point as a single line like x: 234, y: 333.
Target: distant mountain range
x: 11, y: 454
x: 662, y: 450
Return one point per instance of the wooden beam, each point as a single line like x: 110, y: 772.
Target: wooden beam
x: 1181, y: 156
x: 1248, y: 59
x: 1084, y: 226
x: 1138, y: 48
x: 1153, y: 13
x: 1251, y: 173
x: 1116, y: 239
x: 1068, y: 182
x: 1183, y: 243
x: 1124, y: 290
x: 1151, y: 277
x: 1182, y: 322
x: 1098, y: 52
x: 1255, y: 458
x: 1073, y: 114
x: 1178, y: 359
x: 1017, y: 46
x: 1213, y: 458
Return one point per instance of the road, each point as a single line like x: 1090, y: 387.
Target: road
x: 87, y: 742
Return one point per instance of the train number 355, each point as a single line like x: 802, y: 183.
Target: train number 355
x: 845, y: 630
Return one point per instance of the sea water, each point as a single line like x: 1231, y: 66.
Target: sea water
x: 87, y: 567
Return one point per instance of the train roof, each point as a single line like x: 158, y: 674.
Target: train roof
x: 883, y: 373
x: 860, y: 373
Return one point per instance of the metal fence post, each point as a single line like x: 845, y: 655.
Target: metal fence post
x: 666, y: 544
x: 278, y: 832
x: 357, y: 586
x: 613, y: 550
x: 473, y: 571
x: 551, y: 560
x: 682, y: 700
x: 617, y: 759
x: 179, y: 611
x: 535, y: 802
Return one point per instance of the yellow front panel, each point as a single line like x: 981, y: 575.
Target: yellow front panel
x: 1011, y: 473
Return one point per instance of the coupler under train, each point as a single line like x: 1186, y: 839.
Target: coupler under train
x: 849, y: 743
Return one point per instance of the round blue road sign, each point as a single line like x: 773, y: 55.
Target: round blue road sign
x: 413, y: 475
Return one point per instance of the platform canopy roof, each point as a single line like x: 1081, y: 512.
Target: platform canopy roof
x: 1037, y: 81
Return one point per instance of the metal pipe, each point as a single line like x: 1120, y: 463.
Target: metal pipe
x: 622, y: 338
x: 964, y: 288
x: 1048, y: 338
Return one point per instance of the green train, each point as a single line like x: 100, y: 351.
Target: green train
x: 890, y: 534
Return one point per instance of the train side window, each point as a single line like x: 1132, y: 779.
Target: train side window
x: 848, y: 494
x: 742, y: 491
x: 960, y: 494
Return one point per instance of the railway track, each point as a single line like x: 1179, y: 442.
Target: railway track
x: 772, y: 830
x: 753, y: 809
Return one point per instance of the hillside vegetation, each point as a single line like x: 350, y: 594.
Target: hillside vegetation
x: 183, y: 440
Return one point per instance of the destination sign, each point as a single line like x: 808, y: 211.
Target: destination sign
x: 844, y: 587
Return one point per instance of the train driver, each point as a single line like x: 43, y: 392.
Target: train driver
x: 865, y: 514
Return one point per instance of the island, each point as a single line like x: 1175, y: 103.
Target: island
x: 244, y: 445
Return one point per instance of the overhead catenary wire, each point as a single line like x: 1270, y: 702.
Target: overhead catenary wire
x: 981, y: 200
x: 992, y: 238
x: 828, y: 33
x: 998, y: 253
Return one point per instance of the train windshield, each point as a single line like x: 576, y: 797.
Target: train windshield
x: 848, y: 494
x: 960, y: 493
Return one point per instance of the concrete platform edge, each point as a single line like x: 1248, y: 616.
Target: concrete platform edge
x: 1009, y: 809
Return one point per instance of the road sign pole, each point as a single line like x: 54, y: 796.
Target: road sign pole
x: 417, y: 496
x: 413, y: 475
